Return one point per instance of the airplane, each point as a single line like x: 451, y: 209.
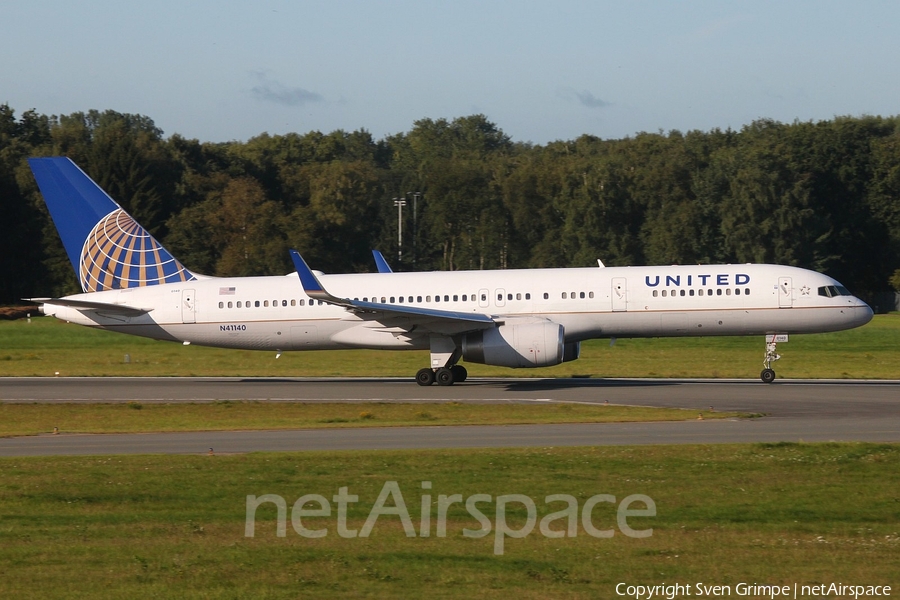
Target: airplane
x: 519, y: 318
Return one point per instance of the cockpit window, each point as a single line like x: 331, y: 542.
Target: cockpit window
x: 832, y: 291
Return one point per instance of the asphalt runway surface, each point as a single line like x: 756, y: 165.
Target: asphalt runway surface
x: 796, y: 410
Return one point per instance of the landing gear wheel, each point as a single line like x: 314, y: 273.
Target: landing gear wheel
x: 767, y: 375
x: 459, y: 373
x: 425, y: 377
x: 444, y: 376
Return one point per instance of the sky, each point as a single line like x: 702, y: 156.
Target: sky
x: 541, y: 71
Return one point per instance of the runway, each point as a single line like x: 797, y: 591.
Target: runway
x: 796, y: 410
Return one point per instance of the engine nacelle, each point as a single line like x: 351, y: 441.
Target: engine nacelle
x: 522, y: 345
x: 571, y: 351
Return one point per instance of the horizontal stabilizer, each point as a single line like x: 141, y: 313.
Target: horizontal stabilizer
x: 121, y: 309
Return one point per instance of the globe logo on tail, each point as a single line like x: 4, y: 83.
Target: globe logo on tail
x: 119, y: 253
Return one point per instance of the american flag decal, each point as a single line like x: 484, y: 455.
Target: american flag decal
x: 226, y: 291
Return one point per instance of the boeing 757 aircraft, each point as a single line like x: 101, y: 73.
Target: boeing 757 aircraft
x: 511, y: 318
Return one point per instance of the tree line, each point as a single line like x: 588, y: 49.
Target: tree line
x: 823, y: 195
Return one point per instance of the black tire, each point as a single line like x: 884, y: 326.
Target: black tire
x: 425, y: 377
x: 767, y: 375
x: 444, y: 376
x: 459, y: 373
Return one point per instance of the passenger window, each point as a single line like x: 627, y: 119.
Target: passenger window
x: 509, y: 296
x: 563, y: 295
x: 293, y: 302
x: 418, y: 298
x: 484, y: 297
x: 247, y: 304
x: 572, y: 296
x: 709, y: 292
x: 455, y: 298
x: 746, y: 291
x: 464, y: 297
x: 238, y: 303
x: 437, y: 298
x: 719, y: 292
x: 655, y: 293
x: 692, y: 292
x: 528, y: 295
x: 700, y: 292
x: 256, y: 304
x: 500, y: 297
x: 518, y: 296
x: 682, y: 292
x: 410, y: 299
x: 393, y: 299
x: 400, y: 299
x: 590, y: 294
x: 581, y: 294
x: 727, y: 291
x: 229, y: 305
x: 546, y: 296
x: 664, y: 293
x: 221, y: 305
x: 302, y: 302
x: 446, y: 298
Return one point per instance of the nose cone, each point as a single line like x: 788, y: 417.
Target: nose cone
x: 861, y: 313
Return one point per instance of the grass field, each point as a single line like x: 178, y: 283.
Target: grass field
x: 47, y: 346
x: 133, y: 417
x: 173, y: 526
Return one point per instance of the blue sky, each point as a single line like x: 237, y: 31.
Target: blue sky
x: 541, y: 71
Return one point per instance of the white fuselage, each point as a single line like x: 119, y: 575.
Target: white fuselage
x: 274, y: 313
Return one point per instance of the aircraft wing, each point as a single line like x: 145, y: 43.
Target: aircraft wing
x: 107, y: 307
x: 437, y: 321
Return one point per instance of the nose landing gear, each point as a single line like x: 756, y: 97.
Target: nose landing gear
x: 768, y: 373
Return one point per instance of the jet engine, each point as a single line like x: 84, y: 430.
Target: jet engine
x: 539, y: 344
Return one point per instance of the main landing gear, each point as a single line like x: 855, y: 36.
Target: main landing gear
x: 443, y: 376
x: 444, y: 355
x: 768, y: 373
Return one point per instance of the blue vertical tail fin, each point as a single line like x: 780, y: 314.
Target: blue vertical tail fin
x: 106, y: 246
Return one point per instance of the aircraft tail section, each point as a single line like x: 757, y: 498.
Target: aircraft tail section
x: 106, y: 246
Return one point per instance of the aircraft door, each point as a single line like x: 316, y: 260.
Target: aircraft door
x: 785, y: 293
x: 483, y: 298
x: 619, y: 294
x: 188, y: 306
x: 501, y: 297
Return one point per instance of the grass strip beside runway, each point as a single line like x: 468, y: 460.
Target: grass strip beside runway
x: 174, y: 526
x: 134, y: 417
x: 46, y: 346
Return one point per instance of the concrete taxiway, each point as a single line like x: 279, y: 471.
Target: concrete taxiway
x: 797, y: 410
